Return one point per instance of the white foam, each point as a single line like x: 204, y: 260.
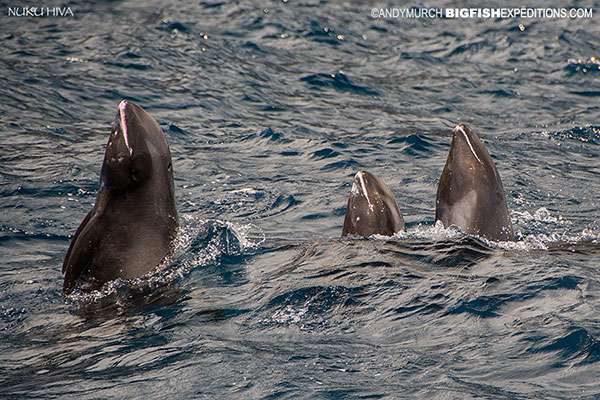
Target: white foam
x: 179, y: 263
x: 541, y: 215
x: 435, y: 232
x: 523, y: 242
x: 249, y: 191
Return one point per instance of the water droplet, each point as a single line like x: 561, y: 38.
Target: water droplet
x: 266, y: 10
x: 521, y: 27
x: 205, y: 36
x: 340, y: 37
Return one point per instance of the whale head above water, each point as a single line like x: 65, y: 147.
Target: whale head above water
x: 470, y: 194
x: 137, y: 150
x: 131, y: 227
x: 372, y: 208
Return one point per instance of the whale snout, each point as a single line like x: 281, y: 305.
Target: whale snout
x: 466, y: 143
x: 123, y: 105
x: 122, y: 124
x: 129, y: 127
x: 361, y: 185
x: 461, y: 129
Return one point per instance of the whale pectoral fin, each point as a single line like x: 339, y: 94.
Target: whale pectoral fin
x: 77, y: 258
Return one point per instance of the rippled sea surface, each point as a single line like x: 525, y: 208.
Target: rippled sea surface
x: 270, y: 108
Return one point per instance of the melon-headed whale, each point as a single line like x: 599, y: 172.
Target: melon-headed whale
x: 131, y: 227
x: 470, y: 194
x: 372, y: 208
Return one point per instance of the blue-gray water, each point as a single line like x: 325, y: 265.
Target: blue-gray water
x: 270, y: 108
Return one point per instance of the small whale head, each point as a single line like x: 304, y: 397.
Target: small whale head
x: 470, y: 194
x: 372, y: 208
x: 136, y: 149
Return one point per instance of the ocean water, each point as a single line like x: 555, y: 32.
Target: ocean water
x: 270, y: 108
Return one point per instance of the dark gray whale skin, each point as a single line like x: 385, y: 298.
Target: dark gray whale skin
x: 470, y: 194
x: 372, y: 208
x: 133, y: 223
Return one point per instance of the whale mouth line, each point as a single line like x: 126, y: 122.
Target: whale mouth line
x: 460, y: 128
x: 123, y: 120
x: 363, y: 187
